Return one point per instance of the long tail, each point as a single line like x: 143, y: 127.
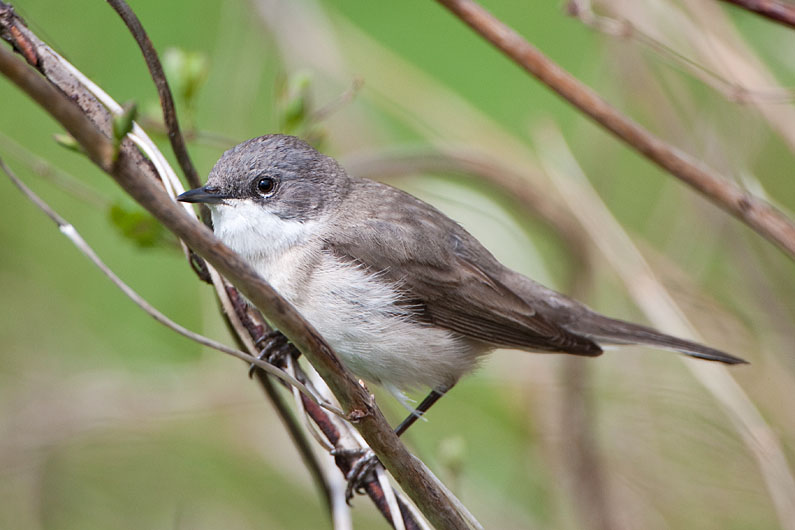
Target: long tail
x: 611, y: 331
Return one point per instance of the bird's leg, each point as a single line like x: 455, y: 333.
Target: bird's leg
x: 273, y: 347
x: 421, y: 409
x: 361, y: 469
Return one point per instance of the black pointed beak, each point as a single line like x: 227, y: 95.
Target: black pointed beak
x: 206, y: 195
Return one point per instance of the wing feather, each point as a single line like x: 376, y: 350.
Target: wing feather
x: 451, y: 280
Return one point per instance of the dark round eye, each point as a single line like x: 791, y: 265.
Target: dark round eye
x: 266, y: 185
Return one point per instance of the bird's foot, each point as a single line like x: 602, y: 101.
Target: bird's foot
x: 274, y: 349
x: 361, y: 472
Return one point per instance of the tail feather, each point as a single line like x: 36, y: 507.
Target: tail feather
x: 612, y: 331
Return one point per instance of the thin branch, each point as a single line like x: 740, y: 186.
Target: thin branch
x: 768, y: 221
x: 234, y: 310
x: 61, y: 179
x: 163, y: 90
x: 781, y: 12
x: 251, y: 330
x: 372, y: 488
x: 70, y: 232
x: 361, y: 410
x: 623, y: 28
x: 390, y: 499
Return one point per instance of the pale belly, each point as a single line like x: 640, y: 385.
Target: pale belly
x: 354, y: 310
x: 377, y: 339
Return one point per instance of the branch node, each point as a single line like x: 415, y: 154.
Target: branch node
x: 357, y: 415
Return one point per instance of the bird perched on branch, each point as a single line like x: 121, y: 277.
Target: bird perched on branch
x: 403, y: 294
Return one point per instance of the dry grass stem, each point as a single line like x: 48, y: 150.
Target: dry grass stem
x: 661, y: 309
x: 734, y: 89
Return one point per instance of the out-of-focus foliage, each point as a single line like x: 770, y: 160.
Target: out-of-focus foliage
x: 123, y: 123
x: 139, y: 226
x: 186, y: 73
x: 108, y: 420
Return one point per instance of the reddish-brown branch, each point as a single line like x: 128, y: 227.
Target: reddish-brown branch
x: 756, y: 213
x: 319, y: 416
x: 372, y: 487
x: 781, y: 12
x: 254, y: 330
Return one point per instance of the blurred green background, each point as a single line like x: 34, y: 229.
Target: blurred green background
x: 109, y: 420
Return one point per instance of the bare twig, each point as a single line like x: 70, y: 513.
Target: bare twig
x: 251, y: 329
x: 235, y: 311
x: 360, y: 407
x: 756, y: 213
x: 776, y: 10
x: 61, y: 179
x: 163, y: 90
x: 625, y: 29
x: 69, y: 231
x: 373, y: 489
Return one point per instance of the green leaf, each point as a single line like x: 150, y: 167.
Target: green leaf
x: 294, y: 104
x: 67, y: 140
x: 139, y: 226
x: 123, y: 123
x: 186, y: 72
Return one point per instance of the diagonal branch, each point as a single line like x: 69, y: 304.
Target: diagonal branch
x: 775, y: 10
x: 178, y: 145
x: 245, y: 338
x: 69, y: 231
x: 248, y: 324
x: 359, y: 405
x: 254, y: 326
x: 768, y: 221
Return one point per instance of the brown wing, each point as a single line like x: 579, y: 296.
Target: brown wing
x: 444, y: 272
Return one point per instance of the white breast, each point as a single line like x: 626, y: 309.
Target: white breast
x: 270, y: 244
x: 354, y: 309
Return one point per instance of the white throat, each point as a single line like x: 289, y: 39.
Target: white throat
x: 256, y: 234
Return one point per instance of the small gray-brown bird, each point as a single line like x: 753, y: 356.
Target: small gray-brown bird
x: 405, y: 295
